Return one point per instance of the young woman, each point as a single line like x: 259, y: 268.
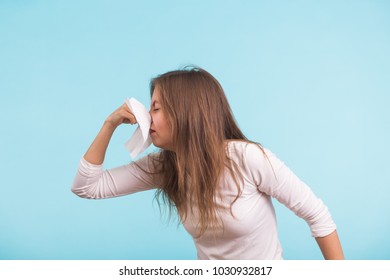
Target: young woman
x: 218, y: 181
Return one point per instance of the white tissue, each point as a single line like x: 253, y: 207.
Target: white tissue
x: 141, y: 138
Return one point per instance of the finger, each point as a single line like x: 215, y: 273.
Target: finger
x: 129, y: 114
x: 133, y: 120
x: 127, y: 109
x: 130, y: 118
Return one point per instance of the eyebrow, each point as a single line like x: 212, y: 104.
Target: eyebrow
x: 154, y: 103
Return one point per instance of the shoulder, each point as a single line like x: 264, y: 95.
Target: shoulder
x: 255, y: 161
x: 247, y: 151
x: 249, y: 155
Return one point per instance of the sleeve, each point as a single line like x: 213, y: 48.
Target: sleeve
x: 275, y: 179
x: 92, y: 181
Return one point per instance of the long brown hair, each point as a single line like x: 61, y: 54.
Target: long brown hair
x: 201, y: 120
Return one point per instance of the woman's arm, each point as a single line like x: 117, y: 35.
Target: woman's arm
x: 274, y: 178
x: 330, y: 246
x: 91, y: 181
x: 97, y: 151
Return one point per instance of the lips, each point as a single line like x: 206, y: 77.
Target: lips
x: 151, y: 131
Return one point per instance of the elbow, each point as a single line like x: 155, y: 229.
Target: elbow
x: 90, y: 187
x: 92, y: 191
x: 82, y: 188
x: 80, y: 192
x: 76, y: 192
x: 323, y: 226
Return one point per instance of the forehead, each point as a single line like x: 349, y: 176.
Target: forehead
x: 156, y: 95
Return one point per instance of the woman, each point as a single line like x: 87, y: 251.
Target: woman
x: 218, y: 181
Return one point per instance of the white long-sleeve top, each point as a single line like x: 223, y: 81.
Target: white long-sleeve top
x: 251, y: 233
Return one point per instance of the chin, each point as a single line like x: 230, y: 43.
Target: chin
x: 164, y: 147
x: 158, y: 145
x: 161, y: 145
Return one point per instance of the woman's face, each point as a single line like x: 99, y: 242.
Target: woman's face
x: 160, y: 130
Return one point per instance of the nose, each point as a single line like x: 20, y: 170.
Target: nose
x: 151, y: 117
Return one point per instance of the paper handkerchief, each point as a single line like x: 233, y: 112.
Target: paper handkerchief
x: 141, y: 138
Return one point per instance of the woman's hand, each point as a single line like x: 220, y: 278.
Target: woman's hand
x: 121, y: 115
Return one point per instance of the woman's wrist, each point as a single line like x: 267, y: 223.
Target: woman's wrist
x: 109, y: 125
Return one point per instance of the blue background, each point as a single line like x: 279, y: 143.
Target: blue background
x: 310, y: 80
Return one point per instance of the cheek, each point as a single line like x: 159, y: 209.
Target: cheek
x: 168, y: 127
x: 163, y: 123
x: 158, y: 123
